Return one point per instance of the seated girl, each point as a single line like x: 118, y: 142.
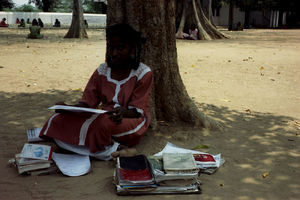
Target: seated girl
x: 121, y: 86
x: 3, y: 23
x: 35, y: 30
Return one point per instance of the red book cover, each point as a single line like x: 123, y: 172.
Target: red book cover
x: 204, y: 158
x: 135, y: 175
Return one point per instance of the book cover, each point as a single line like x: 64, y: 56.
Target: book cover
x: 134, y: 170
x: 204, y: 158
x: 27, y: 168
x: 36, y: 151
x: 156, y: 163
x: 179, y: 162
x: 29, y: 161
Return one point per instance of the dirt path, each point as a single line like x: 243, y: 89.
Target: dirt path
x: 251, y: 83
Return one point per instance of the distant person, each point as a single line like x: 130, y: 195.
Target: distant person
x: 3, y: 23
x: 193, y: 32
x: 18, y: 21
x: 40, y: 23
x: 239, y: 26
x: 57, y: 23
x: 28, y: 21
x: 86, y: 24
x: 192, y: 35
x: 22, y: 23
x: 35, y: 30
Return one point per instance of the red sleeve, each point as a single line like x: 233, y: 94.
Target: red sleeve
x: 140, y: 98
x: 91, y: 92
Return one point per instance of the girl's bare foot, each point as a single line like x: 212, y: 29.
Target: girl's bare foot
x: 124, y: 152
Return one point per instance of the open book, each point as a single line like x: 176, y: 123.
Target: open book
x: 76, y: 109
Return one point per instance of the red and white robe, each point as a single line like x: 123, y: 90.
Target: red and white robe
x: 98, y: 131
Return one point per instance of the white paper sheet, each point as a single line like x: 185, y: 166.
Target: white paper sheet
x: 172, y: 148
x: 33, y: 135
x: 77, y: 109
x: 72, y: 164
x: 84, y: 150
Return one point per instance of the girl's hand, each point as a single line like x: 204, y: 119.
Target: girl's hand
x: 117, y: 114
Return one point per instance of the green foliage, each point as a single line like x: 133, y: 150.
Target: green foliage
x: 23, y: 8
x: 89, y: 6
x: 64, y: 6
x: 46, y: 5
x: 6, y: 4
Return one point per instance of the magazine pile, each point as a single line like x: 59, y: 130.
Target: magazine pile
x: 38, y: 159
x: 174, y: 170
x: 34, y: 159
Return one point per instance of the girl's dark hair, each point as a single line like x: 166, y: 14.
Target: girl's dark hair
x: 126, y: 34
x: 34, y: 22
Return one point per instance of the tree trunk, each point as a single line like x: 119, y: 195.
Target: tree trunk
x: 211, y: 30
x: 182, y: 21
x: 207, y: 9
x: 77, y: 28
x: 46, y: 5
x: 230, y: 17
x: 247, y: 18
x: 194, y: 15
x: 156, y: 20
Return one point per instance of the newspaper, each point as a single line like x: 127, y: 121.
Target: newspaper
x: 204, y: 164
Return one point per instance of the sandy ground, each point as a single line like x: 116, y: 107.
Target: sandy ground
x: 250, y: 82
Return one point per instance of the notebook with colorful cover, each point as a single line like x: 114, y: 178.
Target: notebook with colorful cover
x: 179, y: 163
x: 134, y: 171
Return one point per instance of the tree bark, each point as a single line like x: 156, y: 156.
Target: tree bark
x: 230, y: 17
x: 207, y: 9
x: 182, y: 21
x: 194, y: 15
x: 247, y: 18
x: 212, y: 31
x: 156, y: 20
x: 202, y: 34
x: 77, y: 28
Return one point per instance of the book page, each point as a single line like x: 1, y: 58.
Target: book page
x: 72, y: 164
x: 77, y: 109
x: 33, y: 135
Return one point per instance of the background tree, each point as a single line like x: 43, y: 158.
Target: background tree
x: 190, y: 12
x: 45, y: 5
x: 6, y: 4
x: 156, y: 20
x: 91, y: 6
x: 77, y: 28
x: 290, y: 6
x: 64, y: 6
x: 207, y: 9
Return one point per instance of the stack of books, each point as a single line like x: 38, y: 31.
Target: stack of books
x: 134, y: 174
x: 35, y: 159
x: 170, y: 174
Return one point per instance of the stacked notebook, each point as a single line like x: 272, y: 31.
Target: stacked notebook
x: 134, y: 172
x: 35, y: 159
x: 165, y: 175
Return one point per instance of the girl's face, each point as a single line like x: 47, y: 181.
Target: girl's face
x: 119, y: 52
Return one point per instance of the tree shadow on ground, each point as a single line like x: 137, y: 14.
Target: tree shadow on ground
x: 19, y: 36
x: 253, y: 144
